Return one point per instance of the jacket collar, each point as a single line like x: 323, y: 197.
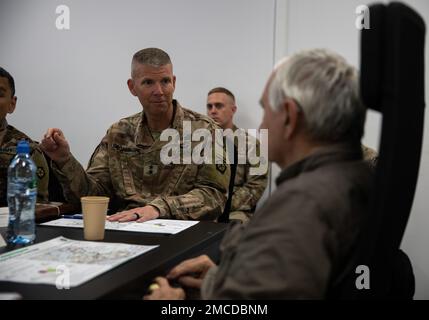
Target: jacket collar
x: 143, y: 135
x: 324, y: 156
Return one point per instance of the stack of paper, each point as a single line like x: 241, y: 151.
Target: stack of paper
x: 4, y: 216
x: 151, y: 226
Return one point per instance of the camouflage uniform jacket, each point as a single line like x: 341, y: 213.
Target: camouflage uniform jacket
x: 10, y: 138
x: 126, y: 167
x: 248, y: 189
x: 370, y: 156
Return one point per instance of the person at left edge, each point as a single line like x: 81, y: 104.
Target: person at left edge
x: 126, y: 165
x: 9, y: 138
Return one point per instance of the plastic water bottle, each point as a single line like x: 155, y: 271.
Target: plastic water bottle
x: 21, y: 196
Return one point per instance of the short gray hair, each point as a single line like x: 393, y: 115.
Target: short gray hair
x: 151, y: 56
x: 326, y: 87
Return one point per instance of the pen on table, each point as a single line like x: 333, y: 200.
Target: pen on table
x: 72, y: 216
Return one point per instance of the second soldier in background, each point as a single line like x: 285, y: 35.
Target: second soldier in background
x: 248, y: 189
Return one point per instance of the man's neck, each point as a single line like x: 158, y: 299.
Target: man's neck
x: 3, y: 124
x: 3, y: 128
x: 301, y: 150
x: 162, y: 121
x: 228, y: 126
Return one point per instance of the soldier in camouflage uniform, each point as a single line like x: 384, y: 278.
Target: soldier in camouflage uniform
x: 9, y: 137
x: 248, y: 189
x: 126, y: 165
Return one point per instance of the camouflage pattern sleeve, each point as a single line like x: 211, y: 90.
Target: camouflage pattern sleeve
x: 205, y: 202
x: 96, y: 180
x: 42, y: 174
x: 247, y: 194
x: 370, y: 156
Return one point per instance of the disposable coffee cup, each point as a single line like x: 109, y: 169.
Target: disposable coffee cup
x: 94, y: 211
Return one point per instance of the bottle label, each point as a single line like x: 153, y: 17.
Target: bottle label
x: 33, y: 184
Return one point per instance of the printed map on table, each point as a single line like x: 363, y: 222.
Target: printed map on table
x: 59, y: 258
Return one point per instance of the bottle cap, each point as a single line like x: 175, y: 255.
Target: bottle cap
x: 23, y: 147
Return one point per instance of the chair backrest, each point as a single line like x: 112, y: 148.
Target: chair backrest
x: 392, y: 82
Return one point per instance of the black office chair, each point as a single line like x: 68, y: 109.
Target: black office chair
x: 392, y: 82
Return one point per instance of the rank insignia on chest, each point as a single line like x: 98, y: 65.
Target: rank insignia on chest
x: 221, y: 168
x: 150, y: 170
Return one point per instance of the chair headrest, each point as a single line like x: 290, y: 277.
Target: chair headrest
x: 391, y: 56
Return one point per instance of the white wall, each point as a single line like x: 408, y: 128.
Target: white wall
x: 76, y: 79
x: 331, y: 24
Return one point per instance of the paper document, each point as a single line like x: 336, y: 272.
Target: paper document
x: 65, y: 263
x: 4, y: 216
x: 2, y: 242
x: 151, y: 226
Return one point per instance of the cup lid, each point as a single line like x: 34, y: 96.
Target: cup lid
x: 95, y: 199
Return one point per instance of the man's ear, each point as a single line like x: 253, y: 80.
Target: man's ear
x: 130, y: 84
x: 174, y: 82
x: 12, y: 105
x: 292, y: 115
x: 234, y: 109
